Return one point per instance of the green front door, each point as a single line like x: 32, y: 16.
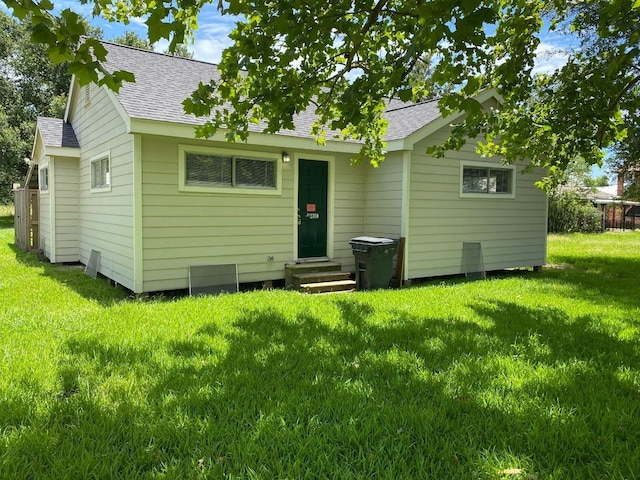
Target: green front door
x: 312, y: 208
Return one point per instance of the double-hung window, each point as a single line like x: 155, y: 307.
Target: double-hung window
x: 44, y: 179
x: 100, y: 172
x: 479, y: 179
x: 208, y: 169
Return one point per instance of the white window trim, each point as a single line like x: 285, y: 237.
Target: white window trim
x: 95, y: 158
x: 488, y: 195
x: 40, y: 176
x: 182, y: 183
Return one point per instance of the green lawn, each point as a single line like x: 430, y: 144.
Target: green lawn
x: 530, y: 376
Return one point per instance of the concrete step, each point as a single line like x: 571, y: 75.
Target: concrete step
x: 325, y: 287
x: 318, y: 277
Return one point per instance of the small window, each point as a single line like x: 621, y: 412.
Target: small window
x: 44, y: 179
x: 487, y: 180
x: 208, y: 169
x: 250, y: 172
x: 100, y: 172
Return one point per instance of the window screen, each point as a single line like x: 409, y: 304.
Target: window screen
x: 100, y: 176
x: 486, y: 180
x: 44, y: 179
x: 475, y: 180
x: 255, y: 173
x: 208, y: 170
x: 221, y: 171
x: 499, y: 181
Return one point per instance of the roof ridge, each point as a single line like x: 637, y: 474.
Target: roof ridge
x: 412, y: 105
x: 162, y: 54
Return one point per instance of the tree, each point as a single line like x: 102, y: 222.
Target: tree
x: 132, y: 39
x: 345, y: 58
x: 30, y: 85
x: 421, y: 78
x: 180, y: 51
x: 626, y: 157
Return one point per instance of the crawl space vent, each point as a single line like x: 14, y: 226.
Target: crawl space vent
x: 213, y: 279
x: 472, y: 262
x: 92, y: 265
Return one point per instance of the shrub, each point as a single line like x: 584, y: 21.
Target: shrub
x: 569, y: 213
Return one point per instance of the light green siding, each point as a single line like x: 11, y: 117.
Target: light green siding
x: 66, y: 209
x: 44, y: 215
x: 384, y: 197
x: 512, y: 231
x: 105, y: 219
x: 349, y: 209
x: 194, y: 228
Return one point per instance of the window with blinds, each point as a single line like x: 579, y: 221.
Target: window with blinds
x: 202, y: 169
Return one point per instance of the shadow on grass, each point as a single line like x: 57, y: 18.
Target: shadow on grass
x: 295, y: 396
x: 6, y: 221
x: 602, y: 279
x: 73, y: 277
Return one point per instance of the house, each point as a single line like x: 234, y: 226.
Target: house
x: 123, y: 174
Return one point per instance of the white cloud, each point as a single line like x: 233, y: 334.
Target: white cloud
x: 209, y: 49
x: 212, y: 35
x: 161, y: 45
x: 549, y: 58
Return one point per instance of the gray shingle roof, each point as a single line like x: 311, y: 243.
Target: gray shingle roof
x: 406, y: 119
x: 163, y: 82
x: 56, y: 133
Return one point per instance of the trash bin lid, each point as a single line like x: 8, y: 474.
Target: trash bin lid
x: 373, y: 240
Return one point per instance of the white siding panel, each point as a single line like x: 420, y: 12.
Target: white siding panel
x: 66, y: 195
x: 384, y: 198
x: 189, y: 228
x: 512, y: 231
x: 349, y: 214
x: 105, y: 219
x: 44, y: 221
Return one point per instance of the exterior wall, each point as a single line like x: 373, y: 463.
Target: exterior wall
x: 349, y: 210
x: 384, y: 197
x: 44, y: 219
x: 65, y: 179
x: 512, y: 231
x: 105, y: 218
x: 194, y: 228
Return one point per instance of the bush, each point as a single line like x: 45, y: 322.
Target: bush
x: 569, y: 213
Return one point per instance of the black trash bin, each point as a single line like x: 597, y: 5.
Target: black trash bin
x: 374, y: 261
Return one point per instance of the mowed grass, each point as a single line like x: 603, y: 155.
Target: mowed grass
x: 530, y: 376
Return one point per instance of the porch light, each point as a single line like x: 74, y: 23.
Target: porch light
x: 286, y: 158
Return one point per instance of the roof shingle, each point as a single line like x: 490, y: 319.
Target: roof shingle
x: 56, y: 133
x: 164, y: 81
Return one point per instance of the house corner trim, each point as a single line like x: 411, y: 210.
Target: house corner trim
x: 138, y: 271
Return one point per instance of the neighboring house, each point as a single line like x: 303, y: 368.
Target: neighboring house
x: 124, y: 175
x: 618, y: 213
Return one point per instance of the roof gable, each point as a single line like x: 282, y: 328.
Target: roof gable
x: 56, y: 133
x: 55, y: 137
x: 164, y: 81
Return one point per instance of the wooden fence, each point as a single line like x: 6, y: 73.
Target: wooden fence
x: 26, y: 221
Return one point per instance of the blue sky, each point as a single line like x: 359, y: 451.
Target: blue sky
x: 210, y: 38
x: 212, y: 35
